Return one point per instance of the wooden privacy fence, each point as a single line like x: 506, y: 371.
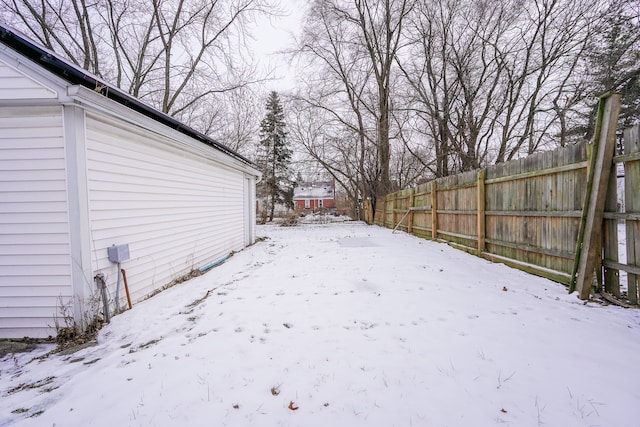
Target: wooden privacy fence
x: 532, y: 213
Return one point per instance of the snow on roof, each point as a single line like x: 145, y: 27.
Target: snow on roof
x: 314, y: 190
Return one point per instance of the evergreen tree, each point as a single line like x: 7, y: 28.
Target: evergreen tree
x: 274, y: 157
x: 614, y: 60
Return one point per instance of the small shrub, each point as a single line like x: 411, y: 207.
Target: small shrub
x: 68, y: 331
x: 290, y: 220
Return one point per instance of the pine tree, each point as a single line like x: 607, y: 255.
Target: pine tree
x: 274, y: 157
x: 614, y: 61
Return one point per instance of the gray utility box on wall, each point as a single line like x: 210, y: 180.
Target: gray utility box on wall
x: 118, y: 253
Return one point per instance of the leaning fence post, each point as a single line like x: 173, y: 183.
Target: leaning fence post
x: 604, y: 142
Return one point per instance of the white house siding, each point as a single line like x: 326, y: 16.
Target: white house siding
x: 35, y: 272
x: 176, y: 210
x: 15, y: 85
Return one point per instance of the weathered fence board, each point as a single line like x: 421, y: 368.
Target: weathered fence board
x: 529, y: 210
x: 610, y: 251
x: 632, y: 206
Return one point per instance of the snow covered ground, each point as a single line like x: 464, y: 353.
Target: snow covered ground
x: 343, y: 325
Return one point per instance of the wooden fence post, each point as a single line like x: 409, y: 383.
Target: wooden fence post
x: 632, y: 204
x: 610, y: 237
x: 412, y: 199
x: 481, y: 227
x: 366, y: 208
x: 434, y: 208
x: 394, y: 207
x: 604, y: 145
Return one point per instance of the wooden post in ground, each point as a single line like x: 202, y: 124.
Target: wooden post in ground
x: 412, y: 198
x: 481, y: 227
x: 394, y: 207
x: 434, y: 208
x: 366, y: 207
x: 602, y: 159
x: 384, y: 211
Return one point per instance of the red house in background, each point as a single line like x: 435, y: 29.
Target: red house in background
x: 314, y: 196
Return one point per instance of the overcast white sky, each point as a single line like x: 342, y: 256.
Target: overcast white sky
x: 276, y: 34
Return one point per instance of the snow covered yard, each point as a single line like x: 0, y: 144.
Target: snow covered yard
x: 343, y: 325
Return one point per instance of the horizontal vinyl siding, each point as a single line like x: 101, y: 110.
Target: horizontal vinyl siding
x: 15, y: 85
x: 35, y: 271
x: 176, y: 210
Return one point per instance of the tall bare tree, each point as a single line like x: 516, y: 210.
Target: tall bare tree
x: 337, y: 148
x: 492, y: 80
x: 69, y: 26
x: 337, y: 100
x: 380, y: 23
x: 354, y: 43
x: 181, y: 56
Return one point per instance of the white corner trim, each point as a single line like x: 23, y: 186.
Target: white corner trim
x: 78, y: 208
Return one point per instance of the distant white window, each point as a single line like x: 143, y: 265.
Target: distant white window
x: 320, y: 203
x: 307, y: 203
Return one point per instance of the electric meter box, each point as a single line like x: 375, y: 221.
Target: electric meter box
x: 118, y: 253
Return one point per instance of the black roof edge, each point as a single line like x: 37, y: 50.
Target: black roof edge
x: 78, y: 76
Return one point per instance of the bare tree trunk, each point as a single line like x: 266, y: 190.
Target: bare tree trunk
x: 381, y: 23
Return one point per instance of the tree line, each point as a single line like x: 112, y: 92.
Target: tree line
x: 187, y: 58
x: 391, y: 92
x: 400, y: 91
